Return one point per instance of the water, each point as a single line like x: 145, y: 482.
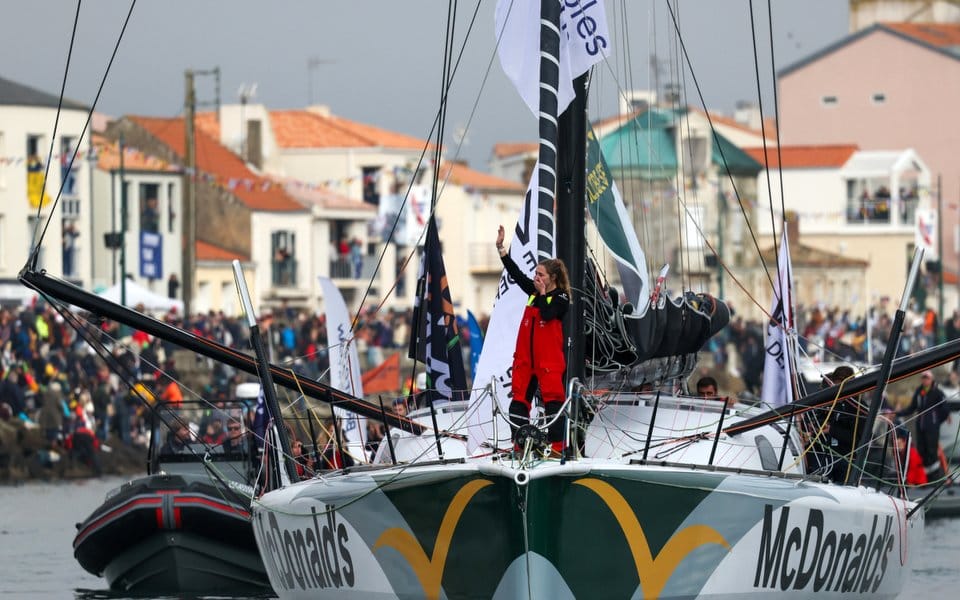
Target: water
x: 37, y: 525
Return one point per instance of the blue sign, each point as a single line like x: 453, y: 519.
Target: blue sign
x: 151, y: 255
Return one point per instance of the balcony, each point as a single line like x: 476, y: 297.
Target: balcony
x: 872, y: 210
x: 484, y: 259
x: 283, y: 273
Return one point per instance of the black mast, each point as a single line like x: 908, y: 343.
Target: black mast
x: 571, y: 219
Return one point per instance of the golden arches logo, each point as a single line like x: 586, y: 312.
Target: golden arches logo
x: 429, y: 571
x: 653, y: 571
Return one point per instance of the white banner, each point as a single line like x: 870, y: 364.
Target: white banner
x: 344, y: 366
x: 777, y: 387
x: 584, y: 41
x: 494, y: 367
x: 926, y: 232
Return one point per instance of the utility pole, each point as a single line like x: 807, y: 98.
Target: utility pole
x: 123, y: 228
x: 189, y: 233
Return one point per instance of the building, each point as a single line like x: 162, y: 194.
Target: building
x: 886, y: 87
x: 375, y: 186
x: 28, y: 154
x: 845, y: 202
x: 239, y: 214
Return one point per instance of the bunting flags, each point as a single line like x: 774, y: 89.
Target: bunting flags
x: 384, y: 378
x: 613, y: 223
x: 434, y: 337
x: 777, y: 381
x: 584, y: 41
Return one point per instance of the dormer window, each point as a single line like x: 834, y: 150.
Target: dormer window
x: 878, y: 98
x: 829, y: 100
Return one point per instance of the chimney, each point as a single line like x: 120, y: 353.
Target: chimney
x: 319, y: 109
x: 793, y: 227
x: 254, y: 144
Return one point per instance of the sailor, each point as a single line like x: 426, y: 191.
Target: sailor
x: 929, y: 405
x: 538, y: 360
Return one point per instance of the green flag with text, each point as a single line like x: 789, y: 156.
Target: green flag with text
x: 612, y: 221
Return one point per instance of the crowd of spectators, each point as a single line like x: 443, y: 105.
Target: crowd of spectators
x: 51, y: 380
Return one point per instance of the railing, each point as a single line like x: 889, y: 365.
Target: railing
x: 284, y: 272
x: 484, y: 257
x: 880, y: 210
x: 868, y: 210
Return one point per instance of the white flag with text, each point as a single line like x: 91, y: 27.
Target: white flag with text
x: 496, y: 359
x: 344, y: 365
x: 584, y: 41
x: 777, y: 387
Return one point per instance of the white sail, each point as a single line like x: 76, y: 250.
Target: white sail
x: 344, y: 364
x: 491, y: 382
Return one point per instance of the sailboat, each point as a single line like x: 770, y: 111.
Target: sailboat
x: 659, y: 494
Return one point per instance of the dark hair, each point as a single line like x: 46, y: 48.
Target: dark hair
x: 705, y: 381
x: 558, y: 270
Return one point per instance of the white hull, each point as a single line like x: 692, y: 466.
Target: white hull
x: 587, y: 528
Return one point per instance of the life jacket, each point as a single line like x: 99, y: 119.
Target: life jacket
x: 540, y: 342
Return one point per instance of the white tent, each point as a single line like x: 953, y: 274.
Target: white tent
x: 137, y: 294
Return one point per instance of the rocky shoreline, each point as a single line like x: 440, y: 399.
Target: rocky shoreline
x: 26, y: 456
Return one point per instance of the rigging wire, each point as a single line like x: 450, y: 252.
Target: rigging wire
x: 34, y: 257
x: 713, y: 130
x: 763, y: 136
x: 35, y: 248
x: 367, y: 292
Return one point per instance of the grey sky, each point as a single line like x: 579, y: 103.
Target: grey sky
x: 380, y: 61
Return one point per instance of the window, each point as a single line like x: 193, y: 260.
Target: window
x: 37, y: 194
x: 3, y: 163
x: 150, y: 207
x: 70, y: 234
x: 284, y: 263
x: 171, y: 216
x: 371, y: 185
x: 32, y: 222
x: 829, y: 101
x: 879, y: 98
x: 68, y: 171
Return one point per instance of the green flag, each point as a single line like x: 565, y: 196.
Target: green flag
x: 613, y: 223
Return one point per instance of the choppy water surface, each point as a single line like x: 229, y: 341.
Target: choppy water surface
x: 38, y: 522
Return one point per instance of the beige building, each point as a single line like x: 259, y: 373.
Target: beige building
x: 380, y: 171
x: 841, y: 199
x: 886, y: 87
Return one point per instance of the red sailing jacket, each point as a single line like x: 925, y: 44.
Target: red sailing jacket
x: 540, y: 338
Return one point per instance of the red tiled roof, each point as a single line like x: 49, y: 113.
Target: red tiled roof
x: 504, y: 149
x: 216, y: 160
x: 465, y: 176
x: 941, y: 35
x: 208, y: 123
x: 324, y: 197
x: 305, y: 129
x: 207, y: 251
x: 108, y: 158
x: 805, y: 157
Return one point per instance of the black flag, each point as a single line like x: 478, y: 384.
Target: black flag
x: 435, y: 338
